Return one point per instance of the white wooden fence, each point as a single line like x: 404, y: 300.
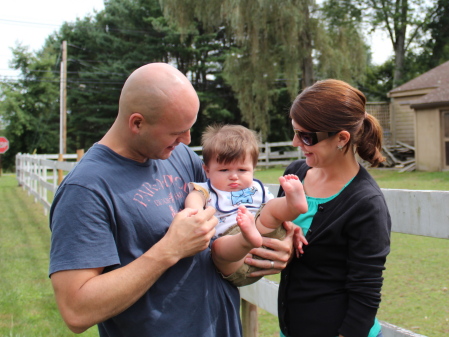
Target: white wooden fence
x: 271, y: 154
x: 41, y: 174
x: 412, y: 212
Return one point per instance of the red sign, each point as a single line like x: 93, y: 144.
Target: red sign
x: 4, y: 145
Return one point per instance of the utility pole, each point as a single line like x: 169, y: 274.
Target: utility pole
x: 63, y: 101
x: 63, y: 109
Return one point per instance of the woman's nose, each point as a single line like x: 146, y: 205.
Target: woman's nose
x: 296, y: 141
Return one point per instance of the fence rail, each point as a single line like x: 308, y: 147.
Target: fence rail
x: 41, y: 175
x: 412, y: 212
x: 271, y: 154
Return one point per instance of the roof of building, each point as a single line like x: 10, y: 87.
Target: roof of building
x: 436, y: 79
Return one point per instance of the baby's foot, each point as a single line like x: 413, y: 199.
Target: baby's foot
x: 245, y: 220
x: 294, y: 193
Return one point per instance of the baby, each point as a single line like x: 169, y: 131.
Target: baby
x: 245, y: 208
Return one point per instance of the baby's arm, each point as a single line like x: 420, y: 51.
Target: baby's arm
x: 195, y: 199
x: 287, y: 208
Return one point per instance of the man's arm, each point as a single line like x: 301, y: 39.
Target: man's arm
x: 86, y: 297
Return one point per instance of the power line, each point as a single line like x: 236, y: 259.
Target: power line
x: 75, y: 81
x: 106, y: 28
x: 73, y: 72
x: 29, y: 23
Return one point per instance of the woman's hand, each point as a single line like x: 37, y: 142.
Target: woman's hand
x: 276, y: 257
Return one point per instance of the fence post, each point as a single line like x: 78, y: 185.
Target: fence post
x: 19, y: 169
x: 35, y: 177
x: 249, y: 319
x: 60, y: 172
x: 79, y: 154
x: 267, y: 155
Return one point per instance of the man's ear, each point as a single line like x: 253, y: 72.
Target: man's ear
x: 136, y: 121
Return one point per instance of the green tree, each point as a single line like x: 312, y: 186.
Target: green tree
x: 102, y: 51
x: 276, y: 44
x: 343, y: 54
x: 378, y: 81
x: 264, y: 42
x: 434, y: 45
x: 30, y: 106
x: 403, y: 20
x: 439, y: 32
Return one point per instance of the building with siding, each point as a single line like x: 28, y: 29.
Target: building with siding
x: 419, y: 112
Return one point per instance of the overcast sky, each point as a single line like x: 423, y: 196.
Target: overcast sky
x: 32, y: 21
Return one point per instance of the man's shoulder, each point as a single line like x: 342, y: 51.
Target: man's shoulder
x: 95, y: 166
x: 183, y: 152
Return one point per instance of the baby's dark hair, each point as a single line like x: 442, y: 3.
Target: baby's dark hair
x: 229, y: 143
x: 334, y: 105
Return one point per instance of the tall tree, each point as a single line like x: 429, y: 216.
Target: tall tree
x: 267, y: 33
x: 435, y: 50
x: 29, y: 107
x: 343, y: 54
x: 102, y: 51
x: 403, y: 20
x: 276, y: 40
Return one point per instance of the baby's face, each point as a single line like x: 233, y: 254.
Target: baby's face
x: 231, y: 177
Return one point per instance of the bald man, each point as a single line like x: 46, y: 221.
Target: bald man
x: 124, y: 255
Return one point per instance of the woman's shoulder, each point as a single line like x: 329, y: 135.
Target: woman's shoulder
x: 364, y: 189
x: 298, y: 167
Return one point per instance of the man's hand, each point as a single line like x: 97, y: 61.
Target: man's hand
x: 191, y: 231
x: 279, y: 253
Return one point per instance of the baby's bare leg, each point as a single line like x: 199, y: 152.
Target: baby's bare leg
x: 229, y: 251
x: 294, y: 194
x: 247, y: 225
x: 287, y: 208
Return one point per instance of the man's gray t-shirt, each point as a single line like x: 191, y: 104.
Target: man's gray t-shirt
x: 109, y: 211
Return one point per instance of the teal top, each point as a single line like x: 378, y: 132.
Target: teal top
x: 305, y: 220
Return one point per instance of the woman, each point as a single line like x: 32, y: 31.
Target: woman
x: 333, y: 287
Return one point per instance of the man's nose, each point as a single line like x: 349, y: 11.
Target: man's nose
x: 185, y: 138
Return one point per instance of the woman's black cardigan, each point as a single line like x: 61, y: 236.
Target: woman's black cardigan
x: 334, y: 287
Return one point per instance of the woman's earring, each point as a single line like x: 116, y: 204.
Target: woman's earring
x: 340, y: 147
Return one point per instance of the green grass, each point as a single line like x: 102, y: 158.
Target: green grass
x: 411, y: 180
x: 27, y: 305
x: 385, y: 179
x: 415, y: 293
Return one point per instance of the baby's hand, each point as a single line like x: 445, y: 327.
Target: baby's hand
x: 299, y: 240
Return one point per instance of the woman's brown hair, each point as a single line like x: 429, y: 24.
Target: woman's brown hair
x: 333, y: 105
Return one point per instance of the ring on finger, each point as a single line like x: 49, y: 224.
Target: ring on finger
x: 272, y: 264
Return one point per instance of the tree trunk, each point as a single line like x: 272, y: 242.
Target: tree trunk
x: 307, y: 72
x: 399, y: 44
x: 399, y: 56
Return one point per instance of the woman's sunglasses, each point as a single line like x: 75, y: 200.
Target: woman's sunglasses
x: 312, y: 138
